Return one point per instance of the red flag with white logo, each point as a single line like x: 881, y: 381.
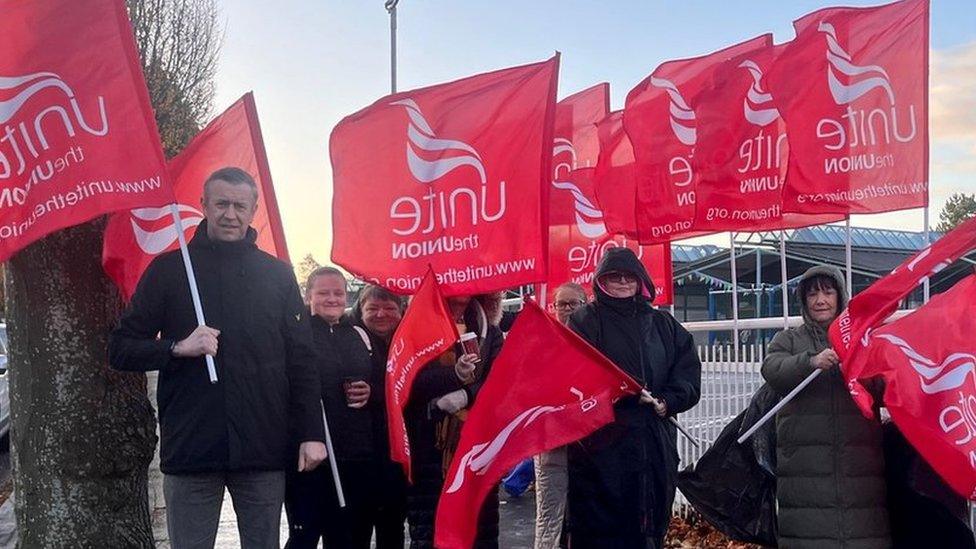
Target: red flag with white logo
x: 134, y: 238
x: 574, y: 257
x: 547, y: 388
x: 455, y: 176
x: 850, y: 334
x: 742, y: 152
x: 78, y: 137
x: 578, y: 234
x: 425, y: 332
x: 927, y: 361
x: 853, y: 90
x: 661, y: 122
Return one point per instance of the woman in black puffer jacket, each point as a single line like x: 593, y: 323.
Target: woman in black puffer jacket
x: 349, y: 394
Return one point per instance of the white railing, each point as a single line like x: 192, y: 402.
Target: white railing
x: 727, y: 386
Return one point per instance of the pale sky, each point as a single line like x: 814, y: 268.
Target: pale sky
x: 310, y: 63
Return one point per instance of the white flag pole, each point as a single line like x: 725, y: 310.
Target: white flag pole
x: 847, y: 255
x: 192, y: 279
x: 782, y: 273
x: 772, y: 412
x: 928, y: 241
x: 735, y: 301
x: 332, y: 459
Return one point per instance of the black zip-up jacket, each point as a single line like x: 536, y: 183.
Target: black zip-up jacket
x: 342, y: 353
x: 267, y: 380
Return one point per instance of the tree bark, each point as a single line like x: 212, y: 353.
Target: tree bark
x: 82, y: 434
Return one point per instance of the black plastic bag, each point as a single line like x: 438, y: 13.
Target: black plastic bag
x: 733, y: 486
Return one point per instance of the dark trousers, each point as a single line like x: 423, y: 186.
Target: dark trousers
x: 193, y: 507
x: 314, y: 513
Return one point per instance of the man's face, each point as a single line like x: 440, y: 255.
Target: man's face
x: 381, y: 316
x: 229, y: 209
x: 327, y: 297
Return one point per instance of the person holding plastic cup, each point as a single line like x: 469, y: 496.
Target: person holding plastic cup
x: 345, y: 372
x: 443, y: 391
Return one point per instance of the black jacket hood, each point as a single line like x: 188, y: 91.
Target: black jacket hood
x: 623, y: 260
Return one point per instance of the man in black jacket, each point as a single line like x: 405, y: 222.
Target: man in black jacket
x: 232, y: 434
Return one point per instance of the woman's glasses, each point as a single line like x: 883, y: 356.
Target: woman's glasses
x: 615, y: 276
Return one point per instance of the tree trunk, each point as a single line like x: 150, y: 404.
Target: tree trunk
x: 82, y: 434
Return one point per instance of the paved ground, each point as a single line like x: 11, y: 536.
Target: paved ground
x: 516, y: 527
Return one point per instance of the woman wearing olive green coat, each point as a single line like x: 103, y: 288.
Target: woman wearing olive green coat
x: 830, y: 466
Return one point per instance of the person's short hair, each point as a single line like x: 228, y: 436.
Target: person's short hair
x: 378, y: 293
x: 234, y: 176
x: 572, y: 286
x: 817, y: 282
x: 322, y: 271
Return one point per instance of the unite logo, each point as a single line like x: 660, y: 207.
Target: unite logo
x: 481, y: 456
x: 589, y: 218
x: 839, y: 61
x: 947, y: 376
x: 429, y: 159
x: 156, y: 241
x: 26, y: 130
x: 682, y: 117
x: 757, y: 105
x: 874, y: 125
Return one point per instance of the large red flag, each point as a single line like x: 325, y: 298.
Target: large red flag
x: 425, y: 332
x: 77, y: 134
x: 615, y: 177
x: 742, y: 151
x: 547, y: 388
x: 134, y: 238
x: 853, y: 90
x: 454, y: 176
x: 578, y: 234
x: 660, y: 120
x: 927, y: 361
x: 850, y: 332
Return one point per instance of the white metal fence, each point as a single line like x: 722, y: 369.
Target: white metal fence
x: 727, y: 386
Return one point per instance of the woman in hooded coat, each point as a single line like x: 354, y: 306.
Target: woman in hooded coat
x: 830, y: 489
x: 622, y: 477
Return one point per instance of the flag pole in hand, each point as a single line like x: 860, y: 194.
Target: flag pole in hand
x: 192, y: 279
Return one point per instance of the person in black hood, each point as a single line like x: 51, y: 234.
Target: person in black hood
x: 232, y: 434
x: 622, y: 477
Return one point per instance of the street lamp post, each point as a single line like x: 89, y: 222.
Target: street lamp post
x: 391, y: 7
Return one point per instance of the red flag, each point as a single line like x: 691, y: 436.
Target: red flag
x: 853, y: 90
x: 134, y: 238
x: 578, y: 235
x: 576, y: 148
x: 425, y: 332
x: 454, y: 176
x: 615, y: 177
x: 661, y: 122
x: 547, y: 388
x: 742, y: 151
x: 850, y: 332
x: 927, y: 361
x: 77, y: 134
